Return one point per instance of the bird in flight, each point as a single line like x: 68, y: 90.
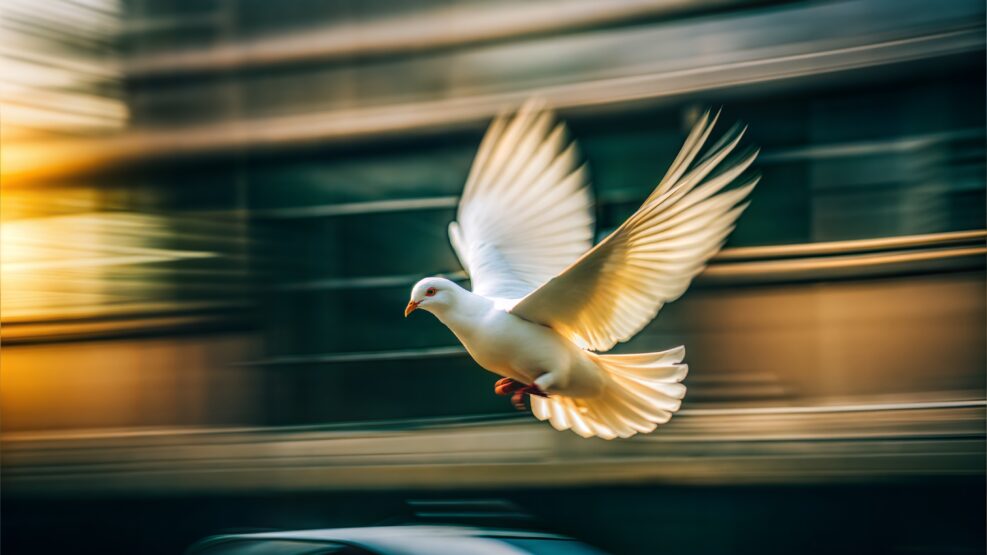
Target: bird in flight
x: 546, y: 303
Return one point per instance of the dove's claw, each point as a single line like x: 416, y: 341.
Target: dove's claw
x: 507, y: 386
x: 518, y: 397
x: 517, y: 390
x: 518, y: 401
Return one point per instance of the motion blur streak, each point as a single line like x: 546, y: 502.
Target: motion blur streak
x: 195, y: 340
x: 60, y: 78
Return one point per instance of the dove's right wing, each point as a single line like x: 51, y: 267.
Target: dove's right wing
x: 526, y: 211
x: 615, y: 289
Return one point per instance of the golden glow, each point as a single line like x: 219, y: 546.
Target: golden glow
x: 55, y: 100
x: 82, y: 263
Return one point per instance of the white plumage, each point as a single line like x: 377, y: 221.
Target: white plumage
x: 544, y: 299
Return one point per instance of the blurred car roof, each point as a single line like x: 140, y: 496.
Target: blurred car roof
x: 399, y: 540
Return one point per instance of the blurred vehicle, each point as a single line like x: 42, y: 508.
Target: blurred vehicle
x: 394, y: 540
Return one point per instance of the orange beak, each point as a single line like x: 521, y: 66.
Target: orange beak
x: 412, y: 305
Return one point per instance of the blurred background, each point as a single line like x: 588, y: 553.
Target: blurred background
x: 213, y: 211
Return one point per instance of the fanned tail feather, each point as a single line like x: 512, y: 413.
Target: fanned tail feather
x: 642, y: 391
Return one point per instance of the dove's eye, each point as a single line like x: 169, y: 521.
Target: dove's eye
x: 430, y: 292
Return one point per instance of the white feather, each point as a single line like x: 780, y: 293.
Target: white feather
x: 526, y: 210
x: 617, y: 287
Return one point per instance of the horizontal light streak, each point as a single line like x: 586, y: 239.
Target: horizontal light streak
x: 427, y: 29
x: 467, y: 111
x: 895, y: 441
x: 854, y: 245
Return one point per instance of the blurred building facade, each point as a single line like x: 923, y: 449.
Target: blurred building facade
x: 213, y: 212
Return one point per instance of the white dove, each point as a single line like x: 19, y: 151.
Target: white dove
x: 543, y: 300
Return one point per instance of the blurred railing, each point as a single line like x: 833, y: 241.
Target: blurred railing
x: 873, y: 443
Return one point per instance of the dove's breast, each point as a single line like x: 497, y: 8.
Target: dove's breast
x: 515, y: 348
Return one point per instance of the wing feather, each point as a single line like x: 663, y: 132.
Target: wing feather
x: 616, y: 288
x: 526, y: 210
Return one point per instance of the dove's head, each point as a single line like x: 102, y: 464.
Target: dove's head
x: 433, y: 294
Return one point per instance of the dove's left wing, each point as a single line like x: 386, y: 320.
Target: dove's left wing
x: 615, y: 289
x: 526, y: 211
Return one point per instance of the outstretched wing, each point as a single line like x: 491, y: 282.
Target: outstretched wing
x: 526, y: 210
x: 618, y: 287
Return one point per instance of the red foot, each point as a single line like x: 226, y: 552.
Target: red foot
x: 507, y: 386
x: 518, y: 398
x: 517, y: 390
